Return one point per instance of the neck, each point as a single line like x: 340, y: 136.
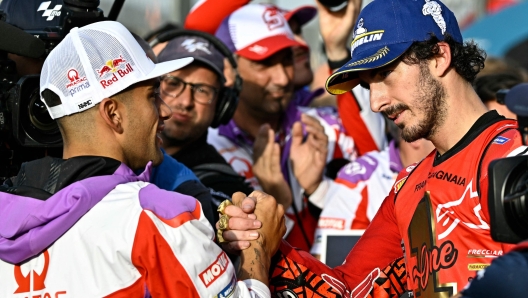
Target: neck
x: 97, y: 143
x: 464, y: 107
x: 414, y: 152
x: 250, y: 123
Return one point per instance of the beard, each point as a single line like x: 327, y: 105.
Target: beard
x: 430, y: 100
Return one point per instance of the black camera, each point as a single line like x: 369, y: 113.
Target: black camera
x: 508, y: 179
x: 26, y: 130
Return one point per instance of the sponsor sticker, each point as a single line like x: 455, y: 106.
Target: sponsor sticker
x: 229, y: 290
x: 398, y: 185
x: 500, y: 140
x: 477, y: 267
x: 76, y: 83
x: 216, y: 269
x: 331, y: 223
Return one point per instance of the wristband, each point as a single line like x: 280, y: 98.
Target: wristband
x: 337, y: 64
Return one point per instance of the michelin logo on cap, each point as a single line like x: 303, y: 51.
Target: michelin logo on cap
x: 362, y: 36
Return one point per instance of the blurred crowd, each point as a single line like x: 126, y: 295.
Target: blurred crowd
x: 212, y: 159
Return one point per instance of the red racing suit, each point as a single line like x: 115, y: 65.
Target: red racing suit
x: 437, y: 212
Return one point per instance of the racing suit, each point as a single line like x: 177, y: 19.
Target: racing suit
x: 89, y: 227
x: 237, y: 148
x: 430, y: 235
x: 358, y: 191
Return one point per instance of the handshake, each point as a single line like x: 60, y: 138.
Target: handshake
x: 253, y: 227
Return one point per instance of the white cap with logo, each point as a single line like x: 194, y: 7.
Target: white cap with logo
x: 95, y: 62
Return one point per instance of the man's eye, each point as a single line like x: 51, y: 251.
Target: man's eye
x: 385, y: 73
x: 203, y: 90
x: 364, y: 85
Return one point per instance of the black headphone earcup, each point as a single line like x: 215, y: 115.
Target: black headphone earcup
x: 225, y: 107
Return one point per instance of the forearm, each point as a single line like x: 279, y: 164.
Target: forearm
x: 254, y: 263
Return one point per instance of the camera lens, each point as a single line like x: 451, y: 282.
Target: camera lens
x: 39, y: 116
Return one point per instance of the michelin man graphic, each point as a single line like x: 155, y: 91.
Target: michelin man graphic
x: 435, y: 10
x: 360, y: 30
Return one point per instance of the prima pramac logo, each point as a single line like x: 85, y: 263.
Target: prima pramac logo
x: 34, y: 282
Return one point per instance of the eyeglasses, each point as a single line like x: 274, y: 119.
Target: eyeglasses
x: 173, y: 87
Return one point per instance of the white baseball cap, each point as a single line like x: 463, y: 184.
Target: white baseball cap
x: 256, y: 31
x: 95, y: 62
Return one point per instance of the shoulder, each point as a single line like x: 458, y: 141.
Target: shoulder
x: 167, y: 204
x: 217, y: 139
x: 362, y: 168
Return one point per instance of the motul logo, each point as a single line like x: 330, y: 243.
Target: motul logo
x: 209, y: 275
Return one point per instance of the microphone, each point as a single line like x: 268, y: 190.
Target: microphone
x: 517, y: 99
x: 16, y: 41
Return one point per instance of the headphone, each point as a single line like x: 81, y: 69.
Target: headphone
x: 227, y: 100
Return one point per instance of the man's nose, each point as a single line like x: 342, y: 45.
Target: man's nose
x: 280, y: 75
x: 378, y: 98
x: 165, y: 110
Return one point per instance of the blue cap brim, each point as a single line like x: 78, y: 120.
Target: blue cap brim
x: 346, y: 77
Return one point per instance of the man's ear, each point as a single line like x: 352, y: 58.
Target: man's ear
x: 112, y: 113
x: 442, y: 61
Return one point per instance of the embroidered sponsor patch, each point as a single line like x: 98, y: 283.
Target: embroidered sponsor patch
x: 500, y: 140
x: 216, y: 269
x: 398, y: 185
x: 476, y: 267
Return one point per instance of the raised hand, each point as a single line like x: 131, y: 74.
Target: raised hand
x: 308, y: 156
x: 336, y: 27
x: 267, y: 168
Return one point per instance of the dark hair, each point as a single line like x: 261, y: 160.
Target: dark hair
x: 487, y: 86
x: 467, y: 58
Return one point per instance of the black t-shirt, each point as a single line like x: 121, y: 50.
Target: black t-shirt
x: 200, y: 153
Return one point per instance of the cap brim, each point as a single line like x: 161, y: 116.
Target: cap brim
x: 346, y: 77
x: 304, y: 14
x: 266, y: 47
x: 169, y: 66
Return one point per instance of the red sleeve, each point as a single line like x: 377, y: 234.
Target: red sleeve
x: 378, y: 247
x: 207, y: 15
x: 355, y: 127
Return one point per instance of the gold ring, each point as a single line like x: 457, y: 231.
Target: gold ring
x: 223, y: 222
x: 220, y: 237
x: 223, y: 205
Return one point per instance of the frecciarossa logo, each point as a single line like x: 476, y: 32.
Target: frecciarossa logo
x: 216, y: 269
x: 118, y: 67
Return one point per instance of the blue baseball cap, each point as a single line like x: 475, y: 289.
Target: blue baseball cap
x: 385, y: 30
x: 517, y: 99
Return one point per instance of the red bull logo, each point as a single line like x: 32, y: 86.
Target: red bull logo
x: 118, y: 67
x: 111, y: 66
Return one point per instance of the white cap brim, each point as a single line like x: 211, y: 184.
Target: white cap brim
x: 169, y: 66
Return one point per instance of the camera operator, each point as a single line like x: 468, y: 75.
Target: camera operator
x: 30, y: 30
